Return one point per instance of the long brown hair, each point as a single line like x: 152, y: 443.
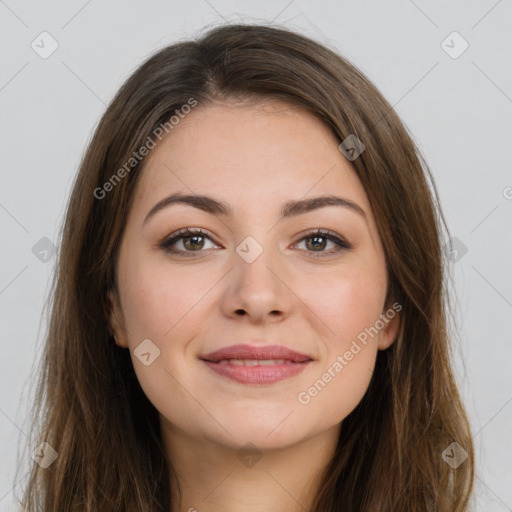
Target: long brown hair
x: 89, y: 406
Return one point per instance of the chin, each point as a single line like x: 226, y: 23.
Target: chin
x: 266, y: 429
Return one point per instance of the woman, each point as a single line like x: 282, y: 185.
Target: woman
x: 249, y: 311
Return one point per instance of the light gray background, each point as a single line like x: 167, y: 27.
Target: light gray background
x: 458, y: 109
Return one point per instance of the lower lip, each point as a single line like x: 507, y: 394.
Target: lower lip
x: 258, y: 374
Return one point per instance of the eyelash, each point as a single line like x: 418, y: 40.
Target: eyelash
x: 167, y: 244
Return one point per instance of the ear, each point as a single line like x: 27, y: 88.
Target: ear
x: 116, y: 320
x: 392, y: 320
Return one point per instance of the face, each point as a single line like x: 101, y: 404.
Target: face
x: 252, y: 276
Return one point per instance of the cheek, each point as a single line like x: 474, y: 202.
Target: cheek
x: 159, y: 301
x: 164, y: 305
x: 338, y: 388
x: 347, y: 301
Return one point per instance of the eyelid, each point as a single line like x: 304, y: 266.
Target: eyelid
x: 325, y: 233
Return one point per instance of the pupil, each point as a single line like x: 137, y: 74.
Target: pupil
x: 318, y: 238
x: 195, y: 238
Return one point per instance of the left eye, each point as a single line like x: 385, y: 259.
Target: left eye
x: 193, y: 240
x: 318, y: 240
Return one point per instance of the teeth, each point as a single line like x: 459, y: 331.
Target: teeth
x: 252, y: 362
x: 268, y: 362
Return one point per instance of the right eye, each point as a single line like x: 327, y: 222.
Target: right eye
x: 192, y: 240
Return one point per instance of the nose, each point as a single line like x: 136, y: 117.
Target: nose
x: 258, y: 290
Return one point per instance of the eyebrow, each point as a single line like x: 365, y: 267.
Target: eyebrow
x: 289, y: 209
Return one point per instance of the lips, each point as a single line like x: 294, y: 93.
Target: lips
x: 262, y: 353
x: 246, y: 364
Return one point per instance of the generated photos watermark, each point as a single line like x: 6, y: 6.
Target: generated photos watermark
x: 158, y: 133
x: 304, y: 397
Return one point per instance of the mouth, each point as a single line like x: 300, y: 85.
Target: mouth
x: 248, y: 364
x: 253, y: 362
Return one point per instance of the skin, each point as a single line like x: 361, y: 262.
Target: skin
x: 254, y: 157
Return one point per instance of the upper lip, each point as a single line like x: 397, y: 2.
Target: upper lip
x: 256, y: 352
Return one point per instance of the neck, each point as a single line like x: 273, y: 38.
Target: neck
x: 211, y: 477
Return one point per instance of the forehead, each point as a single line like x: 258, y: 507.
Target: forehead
x: 250, y: 155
